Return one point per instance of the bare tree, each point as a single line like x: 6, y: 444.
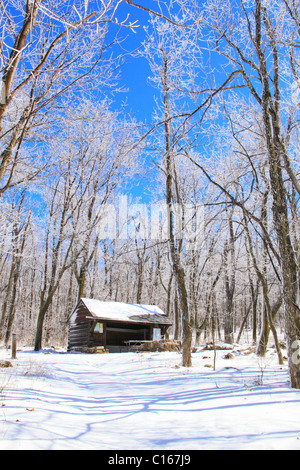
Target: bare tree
x: 92, y: 158
x: 19, y: 234
x: 254, y: 42
x: 167, y: 52
x: 230, y: 278
x: 50, y: 52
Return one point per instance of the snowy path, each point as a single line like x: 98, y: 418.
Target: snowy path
x: 145, y: 401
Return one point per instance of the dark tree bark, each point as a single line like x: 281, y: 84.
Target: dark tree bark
x: 177, y: 267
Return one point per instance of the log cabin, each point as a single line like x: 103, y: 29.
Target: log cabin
x: 114, y: 325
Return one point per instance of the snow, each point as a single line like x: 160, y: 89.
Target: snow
x: 63, y: 401
x: 119, y: 310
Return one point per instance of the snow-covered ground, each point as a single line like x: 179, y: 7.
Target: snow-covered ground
x: 58, y: 400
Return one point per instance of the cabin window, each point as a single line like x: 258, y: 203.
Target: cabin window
x: 98, y: 328
x: 156, y: 334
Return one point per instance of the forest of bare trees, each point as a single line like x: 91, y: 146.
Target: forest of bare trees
x: 219, y: 153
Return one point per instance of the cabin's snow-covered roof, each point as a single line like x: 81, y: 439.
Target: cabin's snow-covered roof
x: 120, y: 311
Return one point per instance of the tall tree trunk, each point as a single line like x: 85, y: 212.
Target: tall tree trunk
x: 12, y: 309
x: 178, y: 270
x: 7, y: 297
x: 269, y: 314
x: 271, y: 119
x: 230, y: 268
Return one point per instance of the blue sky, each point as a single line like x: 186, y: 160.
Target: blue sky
x: 135, y: 71
x: 134, y: 74
x: 139, y: 94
